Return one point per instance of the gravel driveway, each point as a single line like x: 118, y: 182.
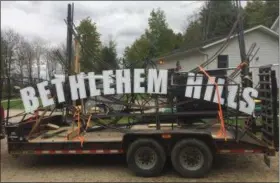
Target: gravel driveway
x: 112, y: 168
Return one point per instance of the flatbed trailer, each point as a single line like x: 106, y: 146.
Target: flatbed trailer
x: 191, y: 148
x: 165, y: 143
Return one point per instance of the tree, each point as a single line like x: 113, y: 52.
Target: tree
x: 217, y: 18
x: 91, y: 45
x: 55, y: 58
x: 259, y: 12
x: 10, y: 40
x: 157, y: 40
x: 193, y: 35
x: 161, y: 37
x: 254, y: 13
x: 22, y: 60
x: 271, y: 12
x: 4, y: 46
x: 109, y: 56
x: 39, y: 46
x: 179, y: 40
x: 29, y: 56
x: 137, y: 52
x: 214, y: 20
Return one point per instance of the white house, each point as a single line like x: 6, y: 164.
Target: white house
x: 266, y: 39
x: 275, y: 26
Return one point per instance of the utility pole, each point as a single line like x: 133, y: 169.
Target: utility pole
x: 69, y: 38
x: 68, y: 68
x: 242, y: 48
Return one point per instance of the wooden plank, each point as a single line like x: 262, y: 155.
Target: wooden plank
x: 163, y: 125
x: 52, y: 126
x: 36, y: 125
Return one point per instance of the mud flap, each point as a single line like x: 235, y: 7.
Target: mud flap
x: 266, y: 160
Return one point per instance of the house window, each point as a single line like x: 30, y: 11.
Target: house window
x: 223, y: 61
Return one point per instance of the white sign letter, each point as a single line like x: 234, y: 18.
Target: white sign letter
x: 30, y: 101
x: 209, y: 89
x: 157, y: 80
x: 192, y: 80
x: 44, y: 94
x: 232, y: 91
x: 248, y: 94
x: 107, y: 81
x: 92, y: 85
x: 80, y: 85
x: 120, y: 80
x: 138, y: 80
x: 59, y: 88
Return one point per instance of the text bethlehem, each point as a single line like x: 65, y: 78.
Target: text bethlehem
x: 156, y: 84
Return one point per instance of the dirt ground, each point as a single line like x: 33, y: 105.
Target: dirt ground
x: 108, y: 168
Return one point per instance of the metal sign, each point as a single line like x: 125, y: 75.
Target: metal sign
x: 120, y: 82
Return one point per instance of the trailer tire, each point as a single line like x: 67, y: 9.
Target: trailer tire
x: 202, y: 156
x: 149, y: 165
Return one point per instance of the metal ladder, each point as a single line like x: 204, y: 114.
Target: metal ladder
x: 269, y: 108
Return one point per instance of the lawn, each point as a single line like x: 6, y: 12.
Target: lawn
x: 14, y: 104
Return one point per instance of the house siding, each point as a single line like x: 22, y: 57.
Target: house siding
x: 187, y: 63
x: 267, y: 54
x: 277, y: 29
x: 275, y: 26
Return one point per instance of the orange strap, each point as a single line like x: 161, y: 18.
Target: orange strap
x: 89, y: 118
x: 220, y: 111
x: 77, y: 114
x: 81, y: 138
x: 241, y: 65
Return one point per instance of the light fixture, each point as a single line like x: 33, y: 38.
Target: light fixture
x: 161, y: 62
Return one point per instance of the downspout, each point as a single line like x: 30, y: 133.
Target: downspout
x: 205, y: 54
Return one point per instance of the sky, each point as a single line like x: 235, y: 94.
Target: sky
x: 124, y: 21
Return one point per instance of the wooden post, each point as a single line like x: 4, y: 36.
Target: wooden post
x: 36, y: 125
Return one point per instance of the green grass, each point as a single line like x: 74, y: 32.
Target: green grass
x: 15, y: 104
x: 123, y: 120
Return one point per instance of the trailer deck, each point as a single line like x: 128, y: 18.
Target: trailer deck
x: 111, y: 135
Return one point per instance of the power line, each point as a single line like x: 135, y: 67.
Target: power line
x: 222, y: 48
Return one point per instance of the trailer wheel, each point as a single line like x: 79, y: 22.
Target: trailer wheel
x: 146, y: 157
x: 191, y: 158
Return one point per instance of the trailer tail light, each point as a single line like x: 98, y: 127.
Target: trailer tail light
x: 166, y: 136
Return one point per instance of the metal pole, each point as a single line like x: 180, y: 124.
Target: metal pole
x: 69, y: 38
x: 9, y: 86
x: 245, y: 69
x: 69, y: 52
